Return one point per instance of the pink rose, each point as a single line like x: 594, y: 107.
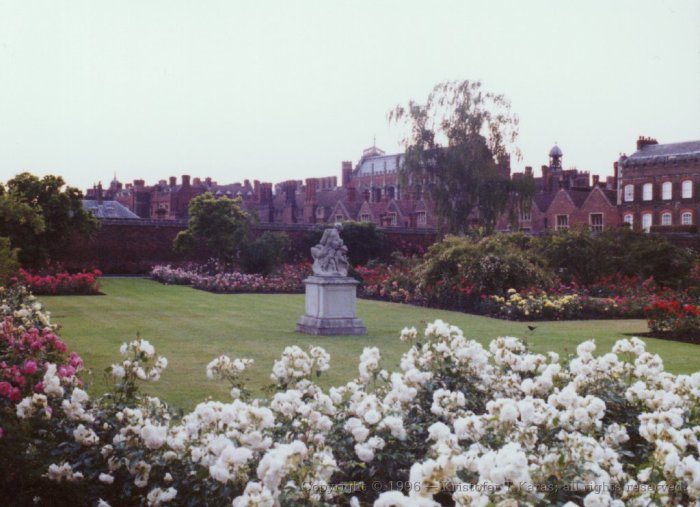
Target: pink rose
x: 30, y: 367
x: 5, y: 388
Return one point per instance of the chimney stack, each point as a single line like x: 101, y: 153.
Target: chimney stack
x: 173, y: 181
x: 352, y: 194
x: 645, y: 141
x: 346, y: 173
x: 596, y: 180
x: 185, y: 181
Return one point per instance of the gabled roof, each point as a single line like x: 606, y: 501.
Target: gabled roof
x: 657, y: 153
x: 578, y: 196
x: 543, y: 199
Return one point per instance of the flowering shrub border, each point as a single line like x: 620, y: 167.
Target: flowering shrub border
x: 672, y: 318
x: 287, y: 280
x: 63, y: 284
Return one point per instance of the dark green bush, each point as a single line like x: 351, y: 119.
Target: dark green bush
x: 265, y: 253
x: 9, y: 265
x: 578, y: 255
x: 456, y: 271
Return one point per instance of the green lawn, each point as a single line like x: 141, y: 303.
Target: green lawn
x: 191, y: 327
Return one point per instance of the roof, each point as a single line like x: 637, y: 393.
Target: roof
x: 543, y: 200
x: 657, y: 153
x: 555, y: 151
x: 379, y: 164
x: 579, y: 196
x: 108, y: 209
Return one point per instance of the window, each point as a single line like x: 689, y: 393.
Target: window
x: 646, y: 191
x: 339, y: 218
x: 687, y: 218
x: 687, y: 189
x: 666, y: 219
x: 666, y: 190
x: 525, y: 216
x: 629, y: 193
x: 421, y: 218
x: 365, y: 217
x: 319, y: 212
x: 596, y: 222
x: 629, y: 219
x: 562, y: 222
x: 392, y: 219
x: 646, y: 222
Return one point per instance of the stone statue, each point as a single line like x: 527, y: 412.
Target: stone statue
x: 331, y: 255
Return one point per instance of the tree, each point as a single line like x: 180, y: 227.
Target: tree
x: 457, y: 144
x: 217, y: 225
x: 40, y: 216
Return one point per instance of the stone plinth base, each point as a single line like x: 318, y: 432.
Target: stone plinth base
x: 330, y: 307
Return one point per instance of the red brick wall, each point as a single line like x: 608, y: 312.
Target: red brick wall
x: 135, y: 246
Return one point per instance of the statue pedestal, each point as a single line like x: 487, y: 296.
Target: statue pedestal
x: 330, y: 307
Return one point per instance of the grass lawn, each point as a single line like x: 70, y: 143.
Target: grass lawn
x: 191, y: 327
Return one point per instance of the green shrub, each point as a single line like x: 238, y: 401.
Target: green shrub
x: 578, y: 255
x: 265, y: 253
x: 456, y: 271
x: 9, y: 265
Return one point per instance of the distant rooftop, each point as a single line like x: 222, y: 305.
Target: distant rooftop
x: 108, y: 209
x: 657, y: 153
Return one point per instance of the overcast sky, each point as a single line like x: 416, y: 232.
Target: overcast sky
x: 289, y: 89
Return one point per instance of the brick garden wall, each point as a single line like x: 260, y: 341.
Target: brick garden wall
x: 134, y: 246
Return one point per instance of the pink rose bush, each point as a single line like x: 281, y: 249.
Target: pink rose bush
x: 455, y: 423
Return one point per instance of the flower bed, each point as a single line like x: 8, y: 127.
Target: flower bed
x: 84, y: 283
x: 287, y: 280
x: 389, y: 282
x: 457, y: 423
x: 674, y: 319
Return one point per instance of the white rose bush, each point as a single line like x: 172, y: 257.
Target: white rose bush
x: 457, y: 423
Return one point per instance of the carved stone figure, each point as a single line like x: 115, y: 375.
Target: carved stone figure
x: 330, y: 255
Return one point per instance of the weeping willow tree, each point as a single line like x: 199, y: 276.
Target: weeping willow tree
x: 456, y: 149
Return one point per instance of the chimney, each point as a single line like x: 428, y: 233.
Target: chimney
x: 615, y: 173
x: 173, y: 181
x: 197, y: 182
x: 311, y: 188
x: 256, y: 189
x: 546, y: 178
x: 246, y: 183
x: 645, y: 141
x: 365, y: 194
x: 596, y: 180
x: 185, y: 181
x: 99, y: 192
x: 528, y: 170
x: 207, y: 181
x: 352, y: 194
x: 139, y: 183
x: 333, y: 182
x: 346, y: 173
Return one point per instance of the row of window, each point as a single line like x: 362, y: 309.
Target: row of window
x: 595, y: 222
x: 421, y: 218
x: 666, y: 191
x: 666, y: 219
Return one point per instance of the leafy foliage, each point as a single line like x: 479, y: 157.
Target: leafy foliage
x: 40, y: 216
x: 578, y: 255
x: 264, y: 254
x: 217, y: 225
x: 458, y: 270
x: 457, y: 149
x: 9, y: 265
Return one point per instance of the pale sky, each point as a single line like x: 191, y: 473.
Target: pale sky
x: 289, y: 89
